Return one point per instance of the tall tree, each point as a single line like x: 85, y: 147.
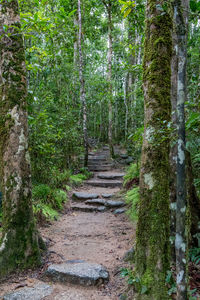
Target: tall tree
x: 108, y: 6
x: 180, y: 243
x: 19, y: 246
x: 152, y: 244
x: 82, y: 84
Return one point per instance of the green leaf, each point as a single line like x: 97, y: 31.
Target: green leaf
x: 127, y: 12
x: 144, y: 289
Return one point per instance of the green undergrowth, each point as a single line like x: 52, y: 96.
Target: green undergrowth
x: 49, y: 199
x: 132, y: 199
x: 132, y: 173
x: 131, y: 181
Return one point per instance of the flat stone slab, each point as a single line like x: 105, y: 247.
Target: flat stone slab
x: 106, y: 196
x: 105, y: 183
x: 37, y: 292
x: 124, y: 156
x: 88, y: 208
x: 119, y: 211
x: 113, y: 203
x: 96, y: 201
x: 111, y: 176
x: 100, y: 168
x: 84, y: 196
x: 86, y: 274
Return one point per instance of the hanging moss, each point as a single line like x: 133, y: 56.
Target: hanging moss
x: 152, y: 245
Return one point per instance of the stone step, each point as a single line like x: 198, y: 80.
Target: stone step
x: 111, y: 176
x: 83, y: 273
x: 36, y: 292
x: 96, y: 202
x: 100, y: 168
x: 114, y: 203
x: 107, y: 203
x: 104, y: 183
x: 87, y: 208
x: 83, y: 196
x: 97, y: 157
x: 98, y: 162
x: 107, y: 195
x: 119, y: 211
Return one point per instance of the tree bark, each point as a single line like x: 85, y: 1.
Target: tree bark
x: 108, y: 6
x: 152, y: 243
x: 82, y: 85
x: 19, y: 246
x: 180, y: 24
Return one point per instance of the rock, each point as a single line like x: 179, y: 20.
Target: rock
x: 106, y: 148
x: 96, y: 201
x: 129, y: 160
x: 119, y: 211
x: 111, y: 176
x: 84, y: 196
x: 86, y: 274
x: 37, y: 292
x: 129, y: 255
x: 88, y: 208
x: 105, y: 183
x: 124, y: 156
x: 107, y: 195
x: 123, y: 297
x: 112, y: 203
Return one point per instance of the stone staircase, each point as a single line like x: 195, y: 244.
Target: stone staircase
x: 97, y: 196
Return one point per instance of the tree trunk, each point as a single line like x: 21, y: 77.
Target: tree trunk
x: 108, y: 6
x: 19, y: 247
x: 82, y: 85
x: 180, y: 24
x: 152, y: 243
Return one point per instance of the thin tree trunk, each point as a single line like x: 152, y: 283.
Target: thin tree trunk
x: 82, y: 85
x: 152, y: 243
x: 181, y: 241
x: 108, y: 6
x: 19, y: 247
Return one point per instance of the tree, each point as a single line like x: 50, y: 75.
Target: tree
x: 19, y: 247
x: 108, y: 6
x: 152, y: 243
x: 181, y: 242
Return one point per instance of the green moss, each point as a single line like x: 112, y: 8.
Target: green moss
x: 152, y: 245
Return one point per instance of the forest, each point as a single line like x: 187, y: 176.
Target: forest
x: 100, y: 97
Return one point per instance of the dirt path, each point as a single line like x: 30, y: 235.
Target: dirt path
x: 93, y: 237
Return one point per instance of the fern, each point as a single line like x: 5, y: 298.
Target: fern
x: 131, y: 173
x: 132, y: 199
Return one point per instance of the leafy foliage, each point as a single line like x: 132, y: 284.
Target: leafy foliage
x: 132, y: 199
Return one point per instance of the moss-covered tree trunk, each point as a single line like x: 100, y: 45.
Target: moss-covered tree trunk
x: 19, y: 245
x: 152, y: 244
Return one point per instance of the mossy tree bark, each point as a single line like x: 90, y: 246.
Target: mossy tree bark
x: 19, y: 246
x: 152, y: 243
